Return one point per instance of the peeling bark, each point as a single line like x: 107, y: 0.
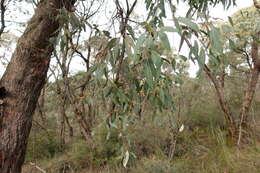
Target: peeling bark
x: 219, y: 87
x: 250, y: 91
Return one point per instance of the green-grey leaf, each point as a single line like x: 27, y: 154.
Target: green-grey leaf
x: 230, y: 21
x: 201, y: 58
x: 168, y: 29
x: 165, y: 41
x: 215, y: 38
x: 112, y: 43
x: 157, y: 60
x: 188, y: 22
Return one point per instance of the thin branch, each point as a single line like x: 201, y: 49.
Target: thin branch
x: 127, y: 5
x: 3, y: 9
x: 37, y: 167
x: 254, y: 49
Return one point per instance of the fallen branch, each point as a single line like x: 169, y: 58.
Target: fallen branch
x: 37, y: 167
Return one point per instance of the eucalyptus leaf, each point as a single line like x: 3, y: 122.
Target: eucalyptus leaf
x: 202, y: 57
x: 215, y: 38
x: 165, y: 41
x: 168, y: 29
x: 188, y: 22
x: 112, y: 43
x: 157, y: 60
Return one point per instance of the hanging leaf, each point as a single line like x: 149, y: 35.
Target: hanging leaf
x: 183, y: 35
x: 181, y: 128
x: 226, y: 29
x: 112, y: 43
x: 232, y: 44
x: 162, y: 8
x: 225, y: 60
x: 74, y: 21
x: 177, y: 24
x: 148, y: 74
x: 188, y: 22
x: 168, y: 29
x: 62, y: 43
x: 140, y: 42
x: 129, y: 44
x: 215, y: 38
x: 173, y: 62
x: 131, y: 31
x: 184, y: 58
x: 152, y: 68
x: 201, y: 58
x: 157, y: 60
x: 148, y: 3
x: 230, y: 21
x: 106, y: 33
x: 195, y: 49
x: 165, y: 41
x: 126, y: 158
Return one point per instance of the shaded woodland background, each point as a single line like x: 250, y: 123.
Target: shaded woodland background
x: 118, y: 96
x: 154, y: 142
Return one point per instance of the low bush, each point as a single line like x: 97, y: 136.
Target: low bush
x: 153, y: 165
x: 149, y: 139
x: 43, y: 145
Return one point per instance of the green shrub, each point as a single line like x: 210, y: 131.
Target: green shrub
x: 81, y: 154
x: 42, y: 145
x: 107, y: 146
x: 98, y: 151
x: 149, y: 139
x: 153, y: 165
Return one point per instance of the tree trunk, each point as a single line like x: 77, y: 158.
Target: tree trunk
x: 250, y: 92
x: 247, y: 102
x: 219, y: 87
x: 23, y: 80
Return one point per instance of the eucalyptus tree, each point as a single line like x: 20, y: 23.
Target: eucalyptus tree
x: 23, y: 80
x: 210, y: 46
x: 245, y: 45
x: 236, y: 49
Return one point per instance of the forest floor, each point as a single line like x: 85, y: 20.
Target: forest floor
x: 203, y: 150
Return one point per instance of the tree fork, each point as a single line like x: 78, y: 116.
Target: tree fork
x: 250, y: 92
x: 23, y: 80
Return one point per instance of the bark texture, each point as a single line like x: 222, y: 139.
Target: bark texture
x: 23, y: 81
x: 238, y: 130
x: 220, y: 91
x: 250, y: 92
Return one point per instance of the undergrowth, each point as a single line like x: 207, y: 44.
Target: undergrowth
x: 204, y: 150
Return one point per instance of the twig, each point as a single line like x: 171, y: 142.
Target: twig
x: 3, y: 9
x: 37, y: 167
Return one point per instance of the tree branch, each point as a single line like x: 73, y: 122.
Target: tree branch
x: 3, y: 9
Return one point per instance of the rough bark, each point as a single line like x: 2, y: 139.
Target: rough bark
x: 23, y: 80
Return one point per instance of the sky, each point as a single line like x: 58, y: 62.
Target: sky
x: 219, y: 12
x: 22, y: 17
